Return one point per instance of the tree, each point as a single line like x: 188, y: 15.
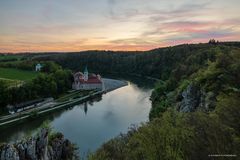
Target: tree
x: 3, y: 94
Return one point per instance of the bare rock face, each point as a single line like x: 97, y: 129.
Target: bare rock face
x: 193, y: 98
x: 30, y: 149
x: 9, y: 152
x: 21, y: 150
x: 42, y: 145
x: 38, y: 148
x: 57, y: 147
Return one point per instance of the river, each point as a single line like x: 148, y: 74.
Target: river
x: 94, y: 122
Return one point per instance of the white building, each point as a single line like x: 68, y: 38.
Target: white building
x: 85, y: 81
x: 38, y: 67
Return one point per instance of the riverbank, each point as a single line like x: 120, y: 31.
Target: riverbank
x: 109, y: 85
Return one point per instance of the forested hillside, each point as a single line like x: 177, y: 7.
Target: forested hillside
x: 195, y: 109
x: 157, y: 63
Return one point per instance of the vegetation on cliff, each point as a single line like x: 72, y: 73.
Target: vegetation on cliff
x: 195, y: 111
x: 176, y: 135
x: 199, y: 80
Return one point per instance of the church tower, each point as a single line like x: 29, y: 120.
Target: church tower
x: 86, y: 74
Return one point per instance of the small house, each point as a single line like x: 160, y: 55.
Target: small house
x: 38, y: 67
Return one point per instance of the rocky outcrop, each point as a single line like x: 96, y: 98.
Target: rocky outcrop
x: 39, y: 148
x: 9, y: 152
x: 193, y: 98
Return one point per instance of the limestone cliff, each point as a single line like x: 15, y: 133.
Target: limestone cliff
x: 40, y: 147
x: 194, y: 98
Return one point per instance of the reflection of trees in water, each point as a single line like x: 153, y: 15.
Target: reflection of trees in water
x: 85, y: 108
x: 97, y: 98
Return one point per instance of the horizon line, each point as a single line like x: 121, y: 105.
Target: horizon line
x: 60, y: 52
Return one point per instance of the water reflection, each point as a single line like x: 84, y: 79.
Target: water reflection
x: 92, y: 123
x: 85, y: 108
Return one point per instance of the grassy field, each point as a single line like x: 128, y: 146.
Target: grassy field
x: 16, y: 74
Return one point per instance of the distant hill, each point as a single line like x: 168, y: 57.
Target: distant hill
x: 157, y: 63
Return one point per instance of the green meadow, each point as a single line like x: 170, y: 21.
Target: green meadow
x: 16, y: 74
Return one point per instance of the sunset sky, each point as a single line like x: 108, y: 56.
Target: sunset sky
x: 75, y: 25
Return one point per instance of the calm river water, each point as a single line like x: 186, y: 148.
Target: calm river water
x: 92, y: 123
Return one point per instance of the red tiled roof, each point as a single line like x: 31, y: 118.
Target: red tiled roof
x: 92, y: 78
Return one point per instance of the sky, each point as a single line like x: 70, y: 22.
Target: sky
x: 76, y: 25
